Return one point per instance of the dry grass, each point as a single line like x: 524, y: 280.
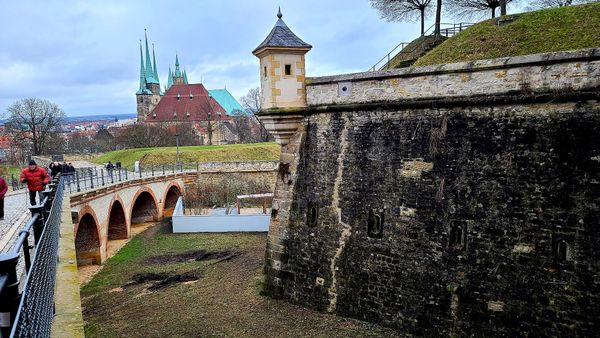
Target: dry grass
x: 224, y: 302
x: 549, y: 30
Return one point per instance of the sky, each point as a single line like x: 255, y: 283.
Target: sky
x: 84, y: 55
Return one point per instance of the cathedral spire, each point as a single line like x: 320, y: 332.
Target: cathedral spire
x: 177, y: 70
x: 170, y: 78
x: 154, y: 66
x: 185, y: 80
x: 149, y: 70
x: 143, y: 88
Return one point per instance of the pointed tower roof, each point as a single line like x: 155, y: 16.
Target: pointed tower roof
x: 177, y: 70
x: 143, y: 86
x: 170, y: 78
x: 155, y: 72
x: 185, y: 80
x: 149, y: 70
x: 281, y: 37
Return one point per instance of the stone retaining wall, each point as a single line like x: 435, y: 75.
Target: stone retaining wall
x: 470, y: 217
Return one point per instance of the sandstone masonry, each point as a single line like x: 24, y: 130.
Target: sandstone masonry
x: 458, y: 200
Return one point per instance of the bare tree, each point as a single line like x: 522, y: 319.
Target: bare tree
x: 538, y: 4
x: 251, y: 101
x: 403, y: 10
x: 438, y: 17
x: 34, y: 121
x: 80, y: 143
x: 252, y: 104
x: 474, y: 8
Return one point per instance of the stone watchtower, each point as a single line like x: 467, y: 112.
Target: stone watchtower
x: 282, y: 75
x: 282, y: 68
x: 149, y: 92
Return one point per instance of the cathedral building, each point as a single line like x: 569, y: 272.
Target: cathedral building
x: 182, y: 102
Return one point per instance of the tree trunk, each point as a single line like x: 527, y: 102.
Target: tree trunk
x: 502, y: 7
x: 493, y: 12
x: 438, y: 17
x: 422, y: 21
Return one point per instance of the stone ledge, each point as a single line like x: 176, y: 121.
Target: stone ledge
x: 589, y: 54
x: 449, y: 102
x: 68, y: 320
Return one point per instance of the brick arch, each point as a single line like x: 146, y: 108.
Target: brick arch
x: 169, y: 204
x: 120, y: 228
x: 135, y: 214
x: 88, y: 240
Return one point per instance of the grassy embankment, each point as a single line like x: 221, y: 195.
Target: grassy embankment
x: 543, y: 31
x: 190, y: 154
x: 199, y: 285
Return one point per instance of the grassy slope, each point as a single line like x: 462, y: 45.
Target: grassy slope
x: 224, y: 302
x: 542, y: 31
x: 225, y: 153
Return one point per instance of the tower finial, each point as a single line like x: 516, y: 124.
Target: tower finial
x: 279, y: 15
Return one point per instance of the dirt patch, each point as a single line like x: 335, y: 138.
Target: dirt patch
x: 196, y: 255
x: 162, y: 280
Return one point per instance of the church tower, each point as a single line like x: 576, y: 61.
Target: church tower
x: 176, y: 77
x: 149, y: 92
x: 282, y: 68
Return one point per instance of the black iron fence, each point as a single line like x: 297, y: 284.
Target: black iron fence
x: 102, y: 177
x: 28, y: 312
x: 16, y: 184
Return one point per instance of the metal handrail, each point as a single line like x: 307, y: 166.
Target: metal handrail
x: 447, y: 32
x: 45, y: 217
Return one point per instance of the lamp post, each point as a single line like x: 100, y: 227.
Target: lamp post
x: 177, y: 143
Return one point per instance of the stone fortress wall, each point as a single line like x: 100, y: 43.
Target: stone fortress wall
x: 460, y: 199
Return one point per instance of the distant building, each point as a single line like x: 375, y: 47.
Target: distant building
x: 209, y: 112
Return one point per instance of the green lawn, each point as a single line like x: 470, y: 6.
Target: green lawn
x: 212, y: 297
x: 167, y: 155
x: 548, y: 30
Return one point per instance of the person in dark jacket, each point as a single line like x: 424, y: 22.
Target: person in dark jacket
x: 3, y: 190
x: 36, y: 179
x: 55, y: 168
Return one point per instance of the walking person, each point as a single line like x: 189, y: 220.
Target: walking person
x: 36, y: 179
x: 55, y: 168
x: 3, y: 190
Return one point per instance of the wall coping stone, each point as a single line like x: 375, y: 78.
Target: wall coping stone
x: 588, y: 54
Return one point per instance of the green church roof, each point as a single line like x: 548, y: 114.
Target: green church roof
x: 143, y: 86
x: 155, y: 74
x: 227, y: 101
x: 149, y: 70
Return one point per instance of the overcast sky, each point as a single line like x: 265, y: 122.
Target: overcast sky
x: 84, y: 55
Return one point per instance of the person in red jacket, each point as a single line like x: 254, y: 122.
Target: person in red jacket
x: 36, y: 178
x: 3, y: 189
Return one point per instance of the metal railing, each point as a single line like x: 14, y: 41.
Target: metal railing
x: 28, y: 313
x: 449, y: 30
x: 16, y: 183
x: 103, y: 177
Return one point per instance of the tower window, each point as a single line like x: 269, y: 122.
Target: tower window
x: 288, y: 69
x: 265, y: 72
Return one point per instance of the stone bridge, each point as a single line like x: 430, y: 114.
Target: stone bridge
x: 109, y: 213
x: 103, y: 214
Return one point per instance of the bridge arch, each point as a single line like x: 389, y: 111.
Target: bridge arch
x: 117, y: 227
x: 144, y: 207
x: 172, y: 193
x: 87, y: 238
